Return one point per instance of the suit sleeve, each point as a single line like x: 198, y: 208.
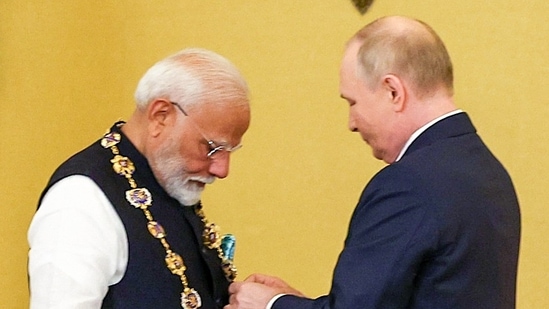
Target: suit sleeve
x: 391, y: 232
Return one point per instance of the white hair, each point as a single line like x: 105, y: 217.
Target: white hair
x: 192, y: 76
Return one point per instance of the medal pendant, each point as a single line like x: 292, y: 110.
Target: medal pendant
x: 228, y: 243
x: 190, y: 299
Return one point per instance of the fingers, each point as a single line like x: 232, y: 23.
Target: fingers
x: 234, y: 287
x: 249, y: 295
x: 274, y: 282
x: 266, y: 280
x: 256, y: 291
x: 259, y: 278
x: 232, y: 302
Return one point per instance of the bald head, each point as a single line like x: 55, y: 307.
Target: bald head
x: 405, y: 47
x: 396, y: 76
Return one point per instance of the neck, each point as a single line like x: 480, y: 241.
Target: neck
x: 427, y: 109
x: 418, y: 112
x: 133, y: 130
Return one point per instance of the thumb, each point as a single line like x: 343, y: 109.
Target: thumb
x: 235, y: 287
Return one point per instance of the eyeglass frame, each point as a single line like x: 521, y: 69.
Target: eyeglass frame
x: 214, y: 147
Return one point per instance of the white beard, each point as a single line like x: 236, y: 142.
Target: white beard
x: 170, y: 171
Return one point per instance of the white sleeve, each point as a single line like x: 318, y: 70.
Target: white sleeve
x: 78, y: 247
x: 272, y: 301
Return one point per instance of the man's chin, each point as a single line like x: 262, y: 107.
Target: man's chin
x: 187, y: 200
x: 188, y: 193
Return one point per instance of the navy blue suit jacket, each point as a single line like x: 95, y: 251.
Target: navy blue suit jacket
x: 438, y: 229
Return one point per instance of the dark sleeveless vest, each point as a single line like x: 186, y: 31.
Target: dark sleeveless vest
x: 147, y: 282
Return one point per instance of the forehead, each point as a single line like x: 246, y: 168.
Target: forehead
x: 348, y: 75
x: 225, y: 122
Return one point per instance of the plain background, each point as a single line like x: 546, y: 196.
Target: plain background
x: 68, y: 70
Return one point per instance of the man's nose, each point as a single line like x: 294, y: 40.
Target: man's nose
x: 219, y: 166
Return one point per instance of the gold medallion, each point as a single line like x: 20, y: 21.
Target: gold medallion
x: 110, y: 139
x: 139, y: 198
x: 174, y: 262
x: 123, y: 166
x: 156, y: 230
x: 211, y: 236
x: 229, y: 269
x: 190, y: 299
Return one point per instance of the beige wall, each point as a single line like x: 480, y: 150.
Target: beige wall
x: 68, y: 70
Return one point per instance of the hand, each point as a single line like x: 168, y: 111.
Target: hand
x: 275, y: 283
x: 256, y: 291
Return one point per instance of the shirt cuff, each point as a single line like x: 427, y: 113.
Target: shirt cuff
x: 272, y: 301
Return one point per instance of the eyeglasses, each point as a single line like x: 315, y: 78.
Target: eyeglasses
x: 216, y: 151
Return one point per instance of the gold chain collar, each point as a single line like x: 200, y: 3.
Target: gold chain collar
x: 141, y: 198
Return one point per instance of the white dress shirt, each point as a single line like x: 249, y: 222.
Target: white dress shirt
x: 78, y: 247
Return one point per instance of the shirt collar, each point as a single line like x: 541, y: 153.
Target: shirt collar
x: 422, y: 129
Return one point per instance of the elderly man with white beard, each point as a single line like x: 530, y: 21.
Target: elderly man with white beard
x: 120, y: 224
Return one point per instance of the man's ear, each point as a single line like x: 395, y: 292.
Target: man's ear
x: 396, y: 90
x: 160, y: 115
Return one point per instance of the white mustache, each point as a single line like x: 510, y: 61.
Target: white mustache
x: 205, y: 180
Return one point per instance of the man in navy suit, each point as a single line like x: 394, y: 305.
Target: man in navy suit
x: 439, y: 227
